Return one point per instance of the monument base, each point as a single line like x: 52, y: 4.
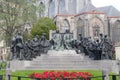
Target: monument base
x: 65, y: 64
x: 64, y: 60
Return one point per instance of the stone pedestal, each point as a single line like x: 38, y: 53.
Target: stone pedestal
x: 64, y: 60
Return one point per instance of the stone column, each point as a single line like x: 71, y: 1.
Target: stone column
x: 106, y: 74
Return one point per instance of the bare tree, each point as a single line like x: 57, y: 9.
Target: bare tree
x: 14, y: 14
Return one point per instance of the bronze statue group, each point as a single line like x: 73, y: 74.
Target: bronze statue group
x: 102, y: 48
x: 99, y: 49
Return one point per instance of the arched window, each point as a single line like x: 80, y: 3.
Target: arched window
x: 116, y: 32
x: 96, y: 27
x: 80, y: 27
x: 61, y: 6
x: 51, y: 8
x: 65, y: 26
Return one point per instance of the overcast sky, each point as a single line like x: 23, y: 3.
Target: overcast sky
x: 100, y: 3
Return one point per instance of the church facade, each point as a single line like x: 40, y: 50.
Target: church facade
x: 82, y: 17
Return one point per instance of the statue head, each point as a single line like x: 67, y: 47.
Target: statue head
x: 44, y: 34
x: 57, y: 31
x: 101, y: 35
x: 97, y: 40
x: 89, y: 37
x: 34, y: 39
x: 28, y: 40
x: 37, y: 36
x: 105, y: 36
x: 19, y: 33
x: 43, y: 37
x: 67, y: 31
x: 80, y: 34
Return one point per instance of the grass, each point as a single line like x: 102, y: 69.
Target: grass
x: 2, y: 69
x: 2, y: 72
x: 118, y: 77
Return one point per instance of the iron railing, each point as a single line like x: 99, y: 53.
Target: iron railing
x: 9, y: 77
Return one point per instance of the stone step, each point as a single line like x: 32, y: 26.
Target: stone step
x: 57, y: 60
x: 62, y: 58
x: 47, y: 68
x: 69, y: 61
x: 61, y: 67
x: 65, y: 66
x: 61, y: 62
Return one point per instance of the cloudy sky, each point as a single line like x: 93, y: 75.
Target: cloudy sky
x: 100, y: 3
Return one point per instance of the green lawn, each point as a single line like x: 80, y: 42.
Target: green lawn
x: 2, y: 72
x: 2, y: 68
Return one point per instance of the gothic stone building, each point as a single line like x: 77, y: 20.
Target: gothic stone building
x: 82, y: 17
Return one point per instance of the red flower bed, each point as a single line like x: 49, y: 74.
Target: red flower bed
x: 61, y: 75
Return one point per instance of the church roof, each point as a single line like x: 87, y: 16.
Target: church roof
x: 110, y: 11
x: 88, y: 8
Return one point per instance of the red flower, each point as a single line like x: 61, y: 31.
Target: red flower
x: 73, y: 74
x: 80, y: 74
x: 60, y: 75
x: 66, y: 74
x: 37, y: 75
